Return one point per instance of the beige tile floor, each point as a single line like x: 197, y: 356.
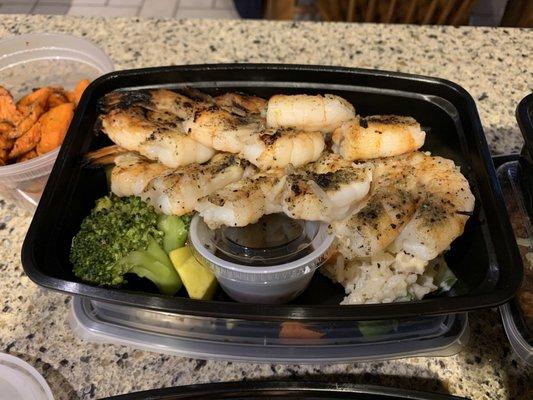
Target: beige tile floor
x: 214, y: 9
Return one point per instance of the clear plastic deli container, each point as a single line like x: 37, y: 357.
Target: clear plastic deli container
x: 35, y: 60
x: 233, y: 339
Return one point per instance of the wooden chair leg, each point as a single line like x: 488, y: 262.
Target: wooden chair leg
x: 429, y: 14
x: 351, y: 11
x: 518, y: 13
x: 370, y: 11
x: 323, y: 9
x: 448, y: 7
x: 336, y: 10
x: 280, y: 9
x: 463, y: 12
x: 390, y: 11
x: 410, y: 12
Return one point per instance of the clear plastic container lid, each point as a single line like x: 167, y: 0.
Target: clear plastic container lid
x: 276, y: 248
x: 520, y: 345
x: 517, y: 332
x: 267, y: 341
x: 35, y: 60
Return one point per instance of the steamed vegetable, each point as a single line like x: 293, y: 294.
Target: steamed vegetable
x: 377, y: 328
x: 122, y: 235
x: 198, y: 279
x: 175, y: 231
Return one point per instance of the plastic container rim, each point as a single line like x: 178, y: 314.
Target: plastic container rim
x: 102, y: 61
x: 26, y: 166
x: 521, y: 347
x: 200, y: 248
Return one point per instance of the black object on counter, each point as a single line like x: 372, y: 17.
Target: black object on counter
x: 524, y: 116
x: 485, y: 258
x: 523, y: 317
x: 249, y: 8
x: 283, y: 391
x: 516, y: 181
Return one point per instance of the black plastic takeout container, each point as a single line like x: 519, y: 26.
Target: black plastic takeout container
x: 518, y: 183
x: 283, y: 391
x: 485, y: 258
x: 524, y: 116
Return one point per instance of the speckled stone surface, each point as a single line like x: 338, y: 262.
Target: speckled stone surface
x: 494, y: 65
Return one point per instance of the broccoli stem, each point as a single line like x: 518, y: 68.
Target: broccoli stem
x: 175, y: 232
x: 154, y: 264
x: 155, y: 250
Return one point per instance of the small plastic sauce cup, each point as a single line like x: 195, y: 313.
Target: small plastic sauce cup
x: 270, y: 262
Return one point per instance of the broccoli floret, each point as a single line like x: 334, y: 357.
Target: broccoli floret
x: 175, y: 230
x: 121, y: 236
x: 187, y: 220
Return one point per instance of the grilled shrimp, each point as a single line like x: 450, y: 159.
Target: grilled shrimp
x: 308, y: 113
x: 445, y: 203
x: 238, y: 127
x: 418, y: 204
x: 177, y: 191
x: 329, y: 189
x: 225, y: 122
x: 170, y: 190
x: 243, y: 202
x: 177, y: 130
x: 245, y: 135
x: 280, y: 148
x: 221, y: 129
x: 323, y: 191
x: 132, y: 173
x: 149, y: 122
x: 161, y: 100
x: 390, y: 206
x: 377, y: 136
x: 294, y: 127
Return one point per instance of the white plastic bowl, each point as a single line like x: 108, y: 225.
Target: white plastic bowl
x: 20, y: 381
x: 272, y: 284
x: 35, y: 60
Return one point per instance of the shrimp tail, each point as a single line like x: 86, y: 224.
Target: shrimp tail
x: 104, y: 156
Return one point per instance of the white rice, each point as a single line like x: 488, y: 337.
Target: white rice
x: 385, y: 277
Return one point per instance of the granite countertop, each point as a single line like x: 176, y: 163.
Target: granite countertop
x: 494, y: 65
